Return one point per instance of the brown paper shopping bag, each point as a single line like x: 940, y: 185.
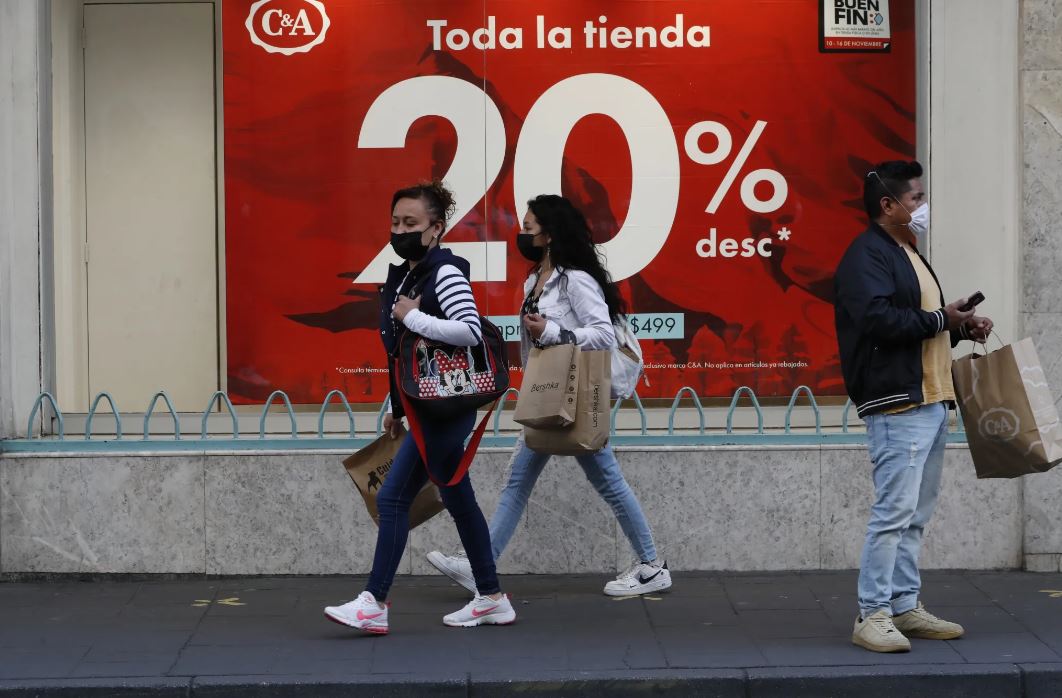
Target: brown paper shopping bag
x: 1011, y: 421
x: 368, y: 469
x: 550, y: 390
x: 589, y: 432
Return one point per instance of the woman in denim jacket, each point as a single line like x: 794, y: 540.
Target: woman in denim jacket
x: 569, y: 298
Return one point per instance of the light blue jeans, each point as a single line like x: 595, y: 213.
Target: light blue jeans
x: 907, y: 450
x: 603, y: 472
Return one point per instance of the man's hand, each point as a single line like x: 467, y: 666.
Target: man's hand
x: 955, y: 317
x: 392, y: 426
x: 979, y: 328
x: 403, y: 306
x: 535, y: 325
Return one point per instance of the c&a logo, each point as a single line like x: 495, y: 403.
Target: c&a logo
x: 287, y: 26
x: 998, y: 424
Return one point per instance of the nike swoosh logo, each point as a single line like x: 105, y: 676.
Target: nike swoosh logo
x: 362, y: 615
x: 646, y: 580
x: 479, y: 614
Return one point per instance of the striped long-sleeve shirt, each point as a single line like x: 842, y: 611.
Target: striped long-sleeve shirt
x: 461, y: 325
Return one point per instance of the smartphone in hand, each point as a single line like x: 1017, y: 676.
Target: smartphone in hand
x: 972, y: 302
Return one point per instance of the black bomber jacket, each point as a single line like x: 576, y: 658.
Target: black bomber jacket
x: 880, y: 323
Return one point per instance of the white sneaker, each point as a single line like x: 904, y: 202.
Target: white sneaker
x: 482, y: 610
x: 456, y: 567
x: 877, y: 633
x: 640, y: 578
x: 363, y: 613
x: 918, y: 622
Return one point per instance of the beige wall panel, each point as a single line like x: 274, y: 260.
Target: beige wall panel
x: 68, y: 170
x: 975, y: 155
x: 151, y: 207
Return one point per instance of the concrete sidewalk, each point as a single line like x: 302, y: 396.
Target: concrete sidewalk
x: 784, y: 634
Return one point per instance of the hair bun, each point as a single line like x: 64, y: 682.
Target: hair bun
x: 436, y: 196
x: 446, y: 201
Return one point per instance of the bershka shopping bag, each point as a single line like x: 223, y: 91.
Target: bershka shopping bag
x: 589, y: 432
x: 550, y: 389
x: 1011, y: 422
x: 368, y: 469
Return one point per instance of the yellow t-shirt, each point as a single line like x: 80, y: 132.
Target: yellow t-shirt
x: 936, y: 351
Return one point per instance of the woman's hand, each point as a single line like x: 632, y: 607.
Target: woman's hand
x: 404, y: 306
x: 535, y: 325
x: 392, y: 426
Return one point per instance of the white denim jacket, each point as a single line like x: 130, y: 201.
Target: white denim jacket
x: 571, y: 300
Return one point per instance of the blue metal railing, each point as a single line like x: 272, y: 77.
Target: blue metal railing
x: 92, y: 413
x: 384, y: 409
x: 55, y: 408
x: 173, y: 413
x: 814, y: 405
x: 643, y: 435
x: 265, y: 413
x: 210, y: 407
x: 324, y: 407
x: 641, y: 413
x: 755, y: 404
x: 501, y: 405
x: 675, y: 405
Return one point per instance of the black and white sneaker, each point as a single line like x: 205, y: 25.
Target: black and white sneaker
x: 640, y: 578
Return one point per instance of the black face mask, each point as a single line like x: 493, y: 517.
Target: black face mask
x: 408, y: 245
x: 526, y: 244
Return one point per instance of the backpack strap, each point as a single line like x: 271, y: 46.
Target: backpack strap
x: 418, y: 438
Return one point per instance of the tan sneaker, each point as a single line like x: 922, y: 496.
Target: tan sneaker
x: 920, y: 623
x: 877, y: 634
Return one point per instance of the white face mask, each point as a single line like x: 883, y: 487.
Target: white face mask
x: 919, y: 224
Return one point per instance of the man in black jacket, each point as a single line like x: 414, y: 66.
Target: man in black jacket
x: 895, y: 335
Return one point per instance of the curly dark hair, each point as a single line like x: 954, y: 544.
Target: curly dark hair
x: 570, y: 246
x: 437, y: 198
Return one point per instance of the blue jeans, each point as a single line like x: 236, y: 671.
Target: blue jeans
x: 404, y: 481
x: 907, y: 450
x: 603, y: 472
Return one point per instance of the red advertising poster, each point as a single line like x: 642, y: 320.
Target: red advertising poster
x: 716, y: 150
